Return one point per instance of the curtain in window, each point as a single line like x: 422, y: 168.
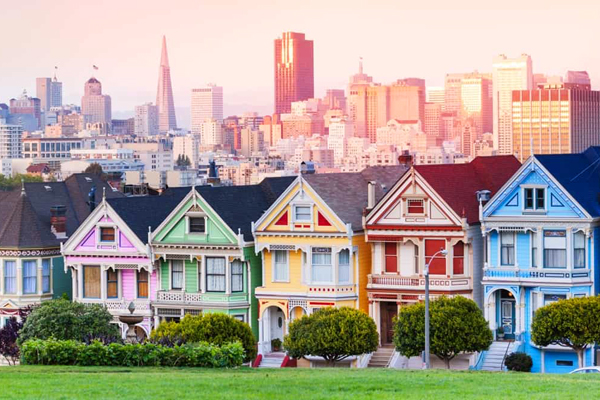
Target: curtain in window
x: 29, y: 277
x: 507, y: 250
x: 237, y: 276
x: 344, y: 266
x: 177, y: 274
x: 534, y: 249
x: 142, y: 284
x: 458, y: 262
x: 555, y: 249
x: 46, y: 275
x: 322, y: 270
x: 215, y: 274
x: 579, y: 250
x: 10, y: 277
x: 281, y: 266
x: 391, y: 257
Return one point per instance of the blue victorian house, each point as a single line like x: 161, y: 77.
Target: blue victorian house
x: 540, y: 232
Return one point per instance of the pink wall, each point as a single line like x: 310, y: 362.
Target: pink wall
x: 90, y: 241
x: 128, y: 282
x: 153, y: 285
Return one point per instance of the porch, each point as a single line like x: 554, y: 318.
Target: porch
x: 417, y: 282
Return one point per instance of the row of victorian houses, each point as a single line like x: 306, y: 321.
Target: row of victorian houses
x: 516, y: 237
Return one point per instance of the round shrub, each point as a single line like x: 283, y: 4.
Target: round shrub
x: 63, y: 320
x: 214, y: 328
x: 518, y: 361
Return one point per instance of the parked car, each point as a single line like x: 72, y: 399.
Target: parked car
x: 586, y: 370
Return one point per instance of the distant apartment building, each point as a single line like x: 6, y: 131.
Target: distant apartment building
x: 432, y: 120
x: 476, y: 102
x: 252, y: 142
x: 555, y: 119
x: 71, y: 123
x: 435, y: 94
x: 211, y: 133
x: 10, y: 140
x: 207, y: 104
x: 22, y: 108
x: 579, y: 78
x: 272, y: 129
x: 146, y: 120
x: 123, y: 127
x: 186, y: 146
x: 294, y: 70
x: 340, y: 130
x: 95, y: 106
x: 50, y: 149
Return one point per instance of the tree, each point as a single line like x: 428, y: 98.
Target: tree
x: 332, y: 333
x: 570, y: 323
x: 183, y: 161
x: 94, y: 169
x: 64, y: 320
x: 456, y: 326
x: 9, y: 335
x: 215, y: 328
x: 14, y: 182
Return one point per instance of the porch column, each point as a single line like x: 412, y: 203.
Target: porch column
x: 103, y: 282
x: 74, y: 282
x: 449, y: 257
x: 570, y: 248
x: 80, y: 281
x: 203, y: 274
x: 227, y: 275
x: 261, y: 334
x: 334, y: 264
x: 19, y: 277
x: 38, y: 276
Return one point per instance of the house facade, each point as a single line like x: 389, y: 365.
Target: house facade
x: 313, y: 249
x: 431, y: 210
x: 541, y: 234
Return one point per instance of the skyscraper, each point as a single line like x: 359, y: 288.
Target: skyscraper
x: 294, y: 70
x: 207, y: 104
x: 96, y: 107
x: 10, y: 140
x: 164, y: 94
x: 49, y: 91
x: 508, y: 74
x: 146, y: 120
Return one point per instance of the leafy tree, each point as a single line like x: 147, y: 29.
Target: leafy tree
x: 64, y: 320
x: 456, y: 325
x: 214, y: 328
x: 95, y: 169
x: 332, y: 333
x: 183, y: 161
x: 9, y: 335
x: 14, y: 182
x: 570, y: 323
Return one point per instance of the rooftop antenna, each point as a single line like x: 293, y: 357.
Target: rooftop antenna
x: 104, y: 193
x: 55, y: 68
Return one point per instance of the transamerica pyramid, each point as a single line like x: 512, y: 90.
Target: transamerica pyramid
x: 164, y: 94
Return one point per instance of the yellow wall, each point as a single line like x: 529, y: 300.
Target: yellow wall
x: 364, y: 269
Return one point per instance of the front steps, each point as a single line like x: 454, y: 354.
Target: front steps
x: 381, y: 358
x: 272, y: 360
x: 495, y: 355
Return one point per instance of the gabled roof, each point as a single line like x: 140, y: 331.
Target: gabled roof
x: 346, y: 193
x: 457, y: 184
x: 239, y: 206
x: 579, y: 174
x: 79, y: 185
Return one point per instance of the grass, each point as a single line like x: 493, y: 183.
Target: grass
x: 38, y: 382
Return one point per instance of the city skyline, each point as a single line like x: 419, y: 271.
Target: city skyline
x: 127, y: 58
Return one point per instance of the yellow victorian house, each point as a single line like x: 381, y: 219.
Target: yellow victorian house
x: 313, y: 247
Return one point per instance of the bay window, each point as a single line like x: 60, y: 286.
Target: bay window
x: 177, y: 274
x: 579, y: 250
x: 437, y: 265
x: 507, y: 248
x: 280, y: 267
x: 10, y: 277
x: 555, y: 249
x: 91, y: 282
x: 344, y: 266
x: 215, y: 274
x: 46, y: 275
x: 322, y: 268
x: 237, y: 276
x: 29, y: 277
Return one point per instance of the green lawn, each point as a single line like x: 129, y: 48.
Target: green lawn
x: 37, y: 382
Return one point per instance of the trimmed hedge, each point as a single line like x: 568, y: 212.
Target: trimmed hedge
x: 518, y: 361
x: 70, y: 352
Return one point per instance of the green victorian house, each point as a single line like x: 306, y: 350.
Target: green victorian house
x: 204, y: 252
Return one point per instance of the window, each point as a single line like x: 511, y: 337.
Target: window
x: 29, y: 277
x: 197, y: 225
x: 199, y: 277
x: 142, y: 284
x: 344, y: 266
x: 458, y: 261
x: 507, y: 248
x: 281, y: 270
x: 107, y: 234
x: 416, y: 259
x: 579, y: 250
x: 46, y: 275
x: 240, y: 317
x: 534, y: 249
x: 10, y: 277
x: 237, y: 276
x: 415, y: 206
x: 112, y: 284
x: 302, y: 213
x: 91, y: 282
x: 215, y: 274
x: 564, y: 363
x: 553, y: 298
x: 437, y: 265
x: 177, y: 274
x: 322, y: 270
x: 391, y: 257
x: 555, y: 249
x: 535, y: 198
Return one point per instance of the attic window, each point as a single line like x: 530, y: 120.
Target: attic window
x: 302, y: 213
x: 197, y: 225
x: 534, y: 198
x: 107, y: 234
x: 415, y: 206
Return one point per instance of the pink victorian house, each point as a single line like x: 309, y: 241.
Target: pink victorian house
x: 111, y: 261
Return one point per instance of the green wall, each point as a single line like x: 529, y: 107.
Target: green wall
x: 256, y: 281
x: 61, y: 280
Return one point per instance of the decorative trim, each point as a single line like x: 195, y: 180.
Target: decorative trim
x: 29, y: 253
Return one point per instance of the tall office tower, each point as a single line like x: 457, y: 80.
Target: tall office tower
x: 55, y: 93
x: 432, y: 121
x: 476, y: 103
x: 49, y: 91
x: 555, y: 119
x: 10, y: 140
x: 449, y: 126
x: 272, y: 129
x: 294, y: 70
x: 335, y: 99
x: 164, y: 94
x: 27, y: 110
x: 96, y: 107
x: 207, y: 104
x: 420, y: 83
x: 508, y: 74
x: 452, y: 96
x: 579, y: 78
x: 435, y: 94
x: 146, y: 120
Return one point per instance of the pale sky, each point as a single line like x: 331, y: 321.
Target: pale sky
x: 231, y: 43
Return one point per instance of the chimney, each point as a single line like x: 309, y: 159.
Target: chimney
x: 405, y: 159
x: 371, y: 194
x: 58, y: 221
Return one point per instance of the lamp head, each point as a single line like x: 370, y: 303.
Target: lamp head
x: 444, y: 252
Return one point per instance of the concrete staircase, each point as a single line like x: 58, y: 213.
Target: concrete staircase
x: 381, y: 358
x: 495, y: 355
x: 272, y: 360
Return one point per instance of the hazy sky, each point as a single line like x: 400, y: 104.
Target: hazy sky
x: 231, y: 43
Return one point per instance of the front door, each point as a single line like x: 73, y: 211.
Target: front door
x: 276, y: 323
x: 507, y: 317
x: 388, y: 312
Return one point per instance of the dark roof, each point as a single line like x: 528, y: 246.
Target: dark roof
x: 239, y: 206
x: 39, y: 198
x: 458, y: 183
x: 346, y: 193
x: 579, y: 174
x: 139, y: 213
x: 33, y: 168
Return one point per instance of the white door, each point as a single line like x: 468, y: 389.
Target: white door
x: 276, y: 322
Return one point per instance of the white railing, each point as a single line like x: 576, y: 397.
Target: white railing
x: 437, y: 283
x: 175, y: 297
x: 558, y: 275
x: 123, y: 305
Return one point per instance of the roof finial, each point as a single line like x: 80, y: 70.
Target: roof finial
x: 23, y: 193
x: 103, y: 193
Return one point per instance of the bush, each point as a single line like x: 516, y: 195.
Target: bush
x: 70, y: 352
x: 214, y: 328
x: 518, y: 361
x: 332, y: 333
x: 63, y: 320
x: 9, y: 335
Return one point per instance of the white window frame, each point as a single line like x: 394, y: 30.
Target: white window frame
x: 349, y: 281
x: 171, y: 275
x: 566, y: 248
x: 36, y: 267
x: 584, y: 266
x: 15, y: 277
x: 303, y: 221
x: 274, y: 266
x: 514, y: 248
x: 332, y: 265
x: 49, y: 260
x: 535, y: 208
x: 195, y: 215
x: 415, y: 199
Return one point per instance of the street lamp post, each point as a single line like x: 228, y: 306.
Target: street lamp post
x: 443, y: 252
